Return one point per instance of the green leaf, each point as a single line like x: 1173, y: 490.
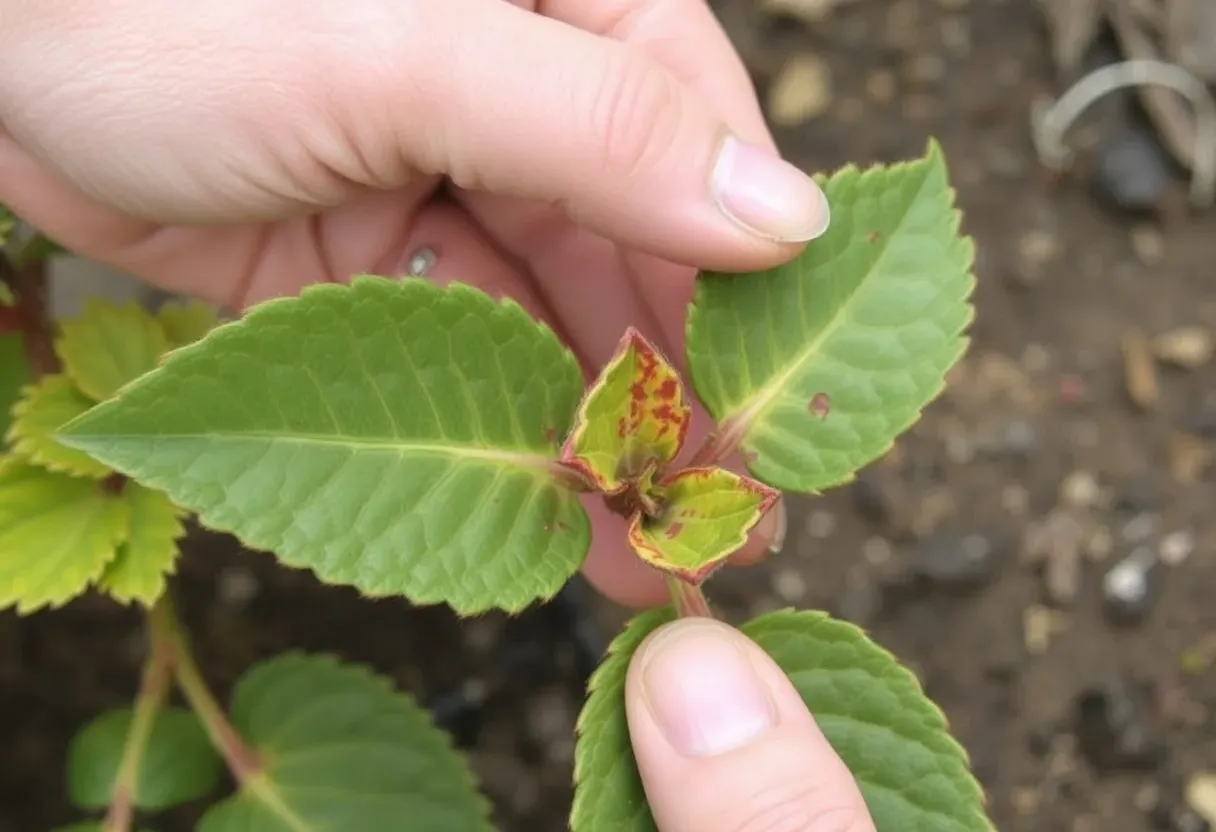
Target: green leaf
x: 912, y: 773
x: 8, y: 221
x: 608, y: 795
x: 393, y: 435
x: 45, y: 407
x: 178, y: 763
x: 108, y: 346
x: 706, y: 517
x: 819, y: 364
x: 7, y: 298
x: 149, y: 554
x: 341, y: 749
x: 633, y: 419
x: 14, y: 373
x: 186, y: 322
x: 57, y: 533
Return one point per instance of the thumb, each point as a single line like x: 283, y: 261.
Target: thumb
x: 603, y: 129
x: 724, y: 743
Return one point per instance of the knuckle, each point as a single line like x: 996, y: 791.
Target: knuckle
x: 800, y: 807
x: 632, y: 114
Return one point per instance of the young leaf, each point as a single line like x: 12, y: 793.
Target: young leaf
x: 178, y: 764
x: 108, y: 346
x: 632, y: 420
x: 14, y: 373
x: 7, y: 298
x: 393, y: 435
x: 817, y: 365
x: 913, y: 774
x: 708, y: 513
x: 138, y: 572
x: 57, y: 533
x: 45, y: 406
x: 608, y: 795
x: 186, y: 322
x: 341, y: 749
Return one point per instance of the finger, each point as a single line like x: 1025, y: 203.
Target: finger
x: 686, y: 37
x: 724, y: 743
x: 613, y: 568
x: 619, y: 142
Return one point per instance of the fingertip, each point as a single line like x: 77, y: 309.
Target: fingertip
x: 613, y: 569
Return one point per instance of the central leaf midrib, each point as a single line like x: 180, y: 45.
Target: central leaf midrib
x: 751, y: 408
x: 524, y: 457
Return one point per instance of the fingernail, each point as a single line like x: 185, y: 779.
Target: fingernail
x: 702, y: 690
x: 767, y: 195
x: 776, y: 524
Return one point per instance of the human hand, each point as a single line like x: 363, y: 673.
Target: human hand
x: 247, y: 148
x: 724, y: 743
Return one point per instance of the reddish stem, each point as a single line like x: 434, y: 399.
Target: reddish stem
x: 688, y: 599
x: 29, y: 315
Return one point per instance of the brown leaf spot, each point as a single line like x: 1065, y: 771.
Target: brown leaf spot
x: 673, y: 529
x: 872, y: 237
x: 820, y: 406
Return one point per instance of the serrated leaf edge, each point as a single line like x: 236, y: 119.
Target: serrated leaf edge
x: 24, y: 446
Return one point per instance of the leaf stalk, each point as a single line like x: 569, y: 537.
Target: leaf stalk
x: 153, y: 691
x: 688, y: 599
x: 242, y: 762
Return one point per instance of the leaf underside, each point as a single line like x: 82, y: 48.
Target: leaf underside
x: 821, y: 363
x: 178, y: 764
x: 46, y: 406
x: 148, y: 556
x: 342, y: 750
x: 913, y: 774
x: 397, y: 436
x: 57, y: 534
x: 108, y: 346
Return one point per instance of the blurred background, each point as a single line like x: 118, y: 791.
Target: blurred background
x: 1040, y: 549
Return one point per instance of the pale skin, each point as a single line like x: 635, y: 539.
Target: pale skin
x: 580, y: 156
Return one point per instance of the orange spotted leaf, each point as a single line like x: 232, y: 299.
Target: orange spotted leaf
x: 707, y: 515
x: 632, y: 421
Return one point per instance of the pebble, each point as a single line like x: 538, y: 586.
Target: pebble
x: 421, y: 262
x: 1100, y: 544
x: 1114, y: 730
x: 1176, y: 547
x: 1140, y: 528
x: 1147, y: 244
x: 1132, y: 171
x: 820, y: 524
x: 789, y: 585
x: 1130, y: 587
x: 881, y: 86
x: 1037, y: 248
x: 1189, y: 458
x: 876, y: 551
x: 1080, y: 490
x: 1139, y: 370
x: 237, y: 586
x: 1015, y: 499
x: 951, y: 561
x: 801, y: 91
x: 1039, y: 625
x: 1188, y: 347
x: 1200, y: 795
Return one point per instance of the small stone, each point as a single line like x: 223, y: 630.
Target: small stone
x: 1039, y: 625
x: 1015, y: 499
x: 1188, y: 347
x: 1140, y: 528
x: 1176, y: 547
x: 1129, y: 587
x: 1020, y: 438
x: 925, y: 69
x: 951, y: 561
x: 956, y: 36
x: 1200, y: 795
x: 1189, y: 458
x: 876, y: 551
x: 820, y: 524
x: 1147, y: 244
x: 1036, y: 358
x: 237, y: 586
x: 801, y: 91
x: 1080, y: 490
x: 1062, y: 574
x: 1114, y: 730
x: 421, y: 262
x: 1139, y: 370
x: 1100, y: 544
x: 1037, y: 248
x: 789, y: 585
x: 1132, y: 170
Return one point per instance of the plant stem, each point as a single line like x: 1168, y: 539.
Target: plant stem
x: 688, y: 599
x: 721, y: 443
x: 29, y: 284
x: 241, y: 760
x: 153, y: 690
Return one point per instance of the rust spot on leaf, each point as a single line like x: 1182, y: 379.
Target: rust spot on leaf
x: 872, y: 236
x: 668, y: 389
x: 820, y: 406
x: 673, y: 530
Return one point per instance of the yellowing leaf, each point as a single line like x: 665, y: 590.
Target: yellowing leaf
x: 634, y: 417
x: 138, y: 573
x: 57, y: 533
x: 706, y: 517
x: 109, y: 346
x: 186, y: 322
x: 46, y: 406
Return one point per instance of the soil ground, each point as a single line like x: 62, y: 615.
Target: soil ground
x: 1036, y: 447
